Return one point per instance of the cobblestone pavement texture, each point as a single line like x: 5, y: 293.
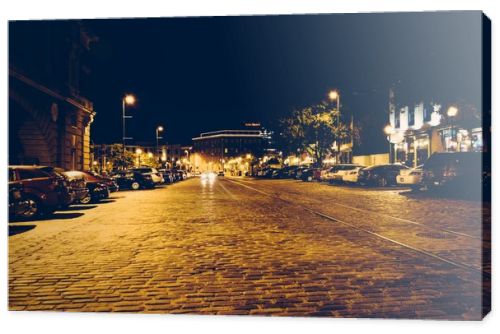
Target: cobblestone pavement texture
x: 233, y: 247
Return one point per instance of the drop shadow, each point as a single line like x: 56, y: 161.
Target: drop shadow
x: 79, y: 207
x: 61, y: 215
x: 18, y: 229
x: 106, y: 201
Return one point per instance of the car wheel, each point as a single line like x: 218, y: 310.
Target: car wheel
x: 135, y: 185
x: 382, y: 182
x: 33, y: 208
x: 86, y: 200
x: 309, y: 178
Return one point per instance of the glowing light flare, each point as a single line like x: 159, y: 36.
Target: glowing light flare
x: 452, y: 111
x: 129, y: 99
x: 333, y: 95
x: 389, y: 129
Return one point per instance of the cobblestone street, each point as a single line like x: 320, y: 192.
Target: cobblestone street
x: 259, y: 247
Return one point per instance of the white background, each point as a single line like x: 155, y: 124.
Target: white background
x: 49, y: 322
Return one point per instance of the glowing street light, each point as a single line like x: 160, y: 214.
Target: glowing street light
x: 389, y: 130
x: 333, y: 95
x: 129, y: 99
x: 452, y: 111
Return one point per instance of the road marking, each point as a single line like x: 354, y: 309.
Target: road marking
x: 404, y: 220
x: 227, y: 190
x: 330, y: 218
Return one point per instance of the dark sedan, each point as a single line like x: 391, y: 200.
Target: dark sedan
x: 98, y: 190
x: 109, y: 182
x: 310, y: 174
x: 380, y: 175
x: 133, y: 180
x: 46, y: 192
x: 77, y: 184
x: 458, y: 172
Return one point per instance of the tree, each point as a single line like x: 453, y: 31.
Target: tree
x: 314, y: 129
x: 118, y: 159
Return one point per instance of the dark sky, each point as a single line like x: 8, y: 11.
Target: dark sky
x: 199, y: 74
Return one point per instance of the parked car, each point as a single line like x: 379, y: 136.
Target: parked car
x: 457, y: 171
x: 20, y: 206
x: 98, y: 190
x: 112, y: 185
x: 131, y: 179
x: 156, y: 176
x: 45, y: 192
x: 351, y: 176
x: 168, y: 175
x: 267, y: 172
x: 411, y: 177
x: 380, y: 175
x: 310, y: 174
x: 181, y: 174
x: 336, y: 173
x: 77, y: 185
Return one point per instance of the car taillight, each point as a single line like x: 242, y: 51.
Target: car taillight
x: 449, y: 173
x: 16, y: 194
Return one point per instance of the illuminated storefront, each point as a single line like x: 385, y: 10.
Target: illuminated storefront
x: 415, y: 133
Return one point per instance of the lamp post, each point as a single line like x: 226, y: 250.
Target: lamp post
x: 389, y: 130
x: 126, y: 100
x: 138, y: 152
x: 452, y: 113
x: 334, y: 95
x: 158, y: 130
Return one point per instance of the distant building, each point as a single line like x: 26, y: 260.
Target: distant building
x: 49, y: 119
x: 217, y: 149
x: 419, y: 130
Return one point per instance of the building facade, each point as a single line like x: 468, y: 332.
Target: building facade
x: 415, y: 132
x: 49, y: 119
x: 229, y: 149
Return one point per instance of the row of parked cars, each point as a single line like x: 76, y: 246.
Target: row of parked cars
x: 453, y: 170
x: 35, y: 191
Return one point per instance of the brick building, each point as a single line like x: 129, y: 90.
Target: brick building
x: 49, y: 119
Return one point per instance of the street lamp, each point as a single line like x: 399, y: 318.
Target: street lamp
x: 389, y: 130
x: 158, y: 130
x: 126, y: 100
x: 334, y: 95
x: 452, y: 111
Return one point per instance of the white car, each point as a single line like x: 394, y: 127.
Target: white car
x: 352, y: 175
x: 337, y: 172
x: 411, y: 177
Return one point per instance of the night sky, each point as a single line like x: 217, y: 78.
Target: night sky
x: 200, y: 74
